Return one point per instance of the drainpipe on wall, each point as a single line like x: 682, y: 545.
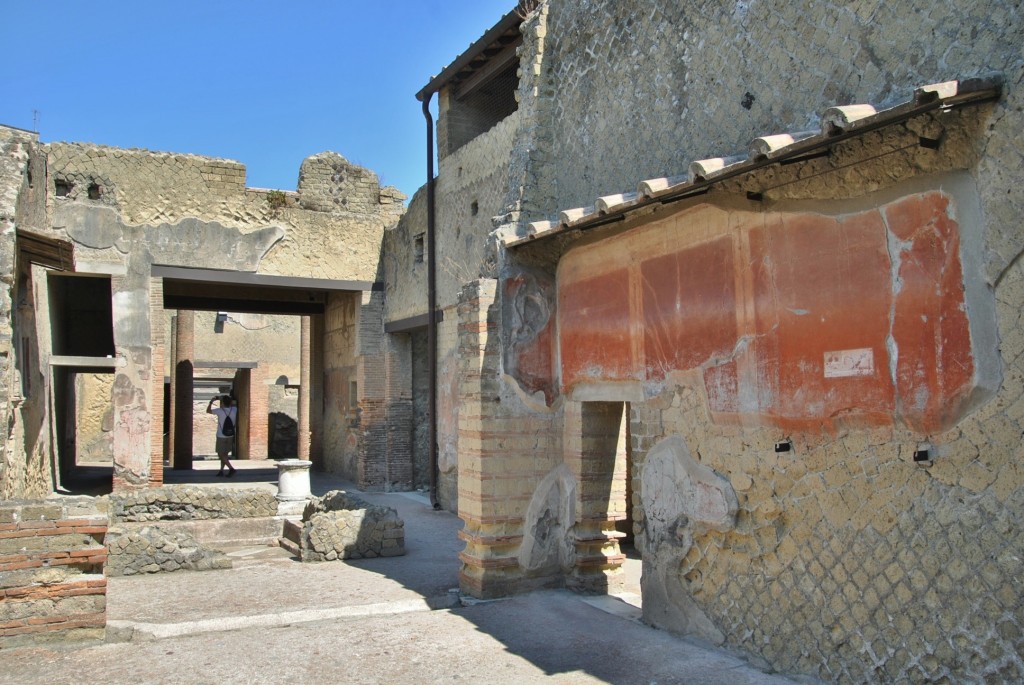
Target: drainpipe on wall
x: 431, y: 305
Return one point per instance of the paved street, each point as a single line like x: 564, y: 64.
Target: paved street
x: 272, y: 620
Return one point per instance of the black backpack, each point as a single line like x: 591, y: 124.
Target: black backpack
x: 229, y: 427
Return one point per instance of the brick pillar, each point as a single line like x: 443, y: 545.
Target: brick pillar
x: 398, y: 400
x: 184, y: 352
x: 158, y: 341
x: 595, y: 449
x: 493, y: 529
x: 305, y: 387
x: 505, y: 451
x: 258, y: 415
x: 317, y: 337
x: 173, y: 388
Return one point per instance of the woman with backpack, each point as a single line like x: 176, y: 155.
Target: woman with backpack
x: 227, y: 417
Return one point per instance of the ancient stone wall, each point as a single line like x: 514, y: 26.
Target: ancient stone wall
x: 323, y: 239
x: 824, y: 556
x: 125, y: 210
x: 150, y: 549
x: 51, y: 572
x: 668, y: 83
x: 16, y: 476
x: 190, y: 503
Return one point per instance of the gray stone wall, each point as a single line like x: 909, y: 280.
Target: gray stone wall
x: 643, y: 90
x: 152, y: 550
x: 190, y: 503
x: 16, y: 476
x: 339, y: 526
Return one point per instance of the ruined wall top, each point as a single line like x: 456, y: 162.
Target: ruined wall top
x: 147, y: 186
x: 329, y: 182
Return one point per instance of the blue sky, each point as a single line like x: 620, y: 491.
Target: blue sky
x: 264, y: 83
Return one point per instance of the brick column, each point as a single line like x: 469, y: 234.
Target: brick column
x: 505, y: 451
x: 158, y: 341
x: 305, y: 387
x: 493, y: 527
x: 259, y: 403
x: 184, y: 352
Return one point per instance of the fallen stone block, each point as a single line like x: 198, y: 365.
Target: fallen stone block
x: 152, y: 550
x: 340, y: 526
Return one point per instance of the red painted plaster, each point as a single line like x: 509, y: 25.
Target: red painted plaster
x: 813, y: 306
x: 531, y: 344
x: 935, y: 368
x: 596, y: 330
x: 689, y: 307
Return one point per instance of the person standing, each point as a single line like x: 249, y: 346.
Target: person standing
x: 227, y: 420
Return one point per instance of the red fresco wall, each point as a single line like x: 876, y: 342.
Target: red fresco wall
x: 791, y: 318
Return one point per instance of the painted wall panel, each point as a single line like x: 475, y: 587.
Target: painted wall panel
x: 800, y: 319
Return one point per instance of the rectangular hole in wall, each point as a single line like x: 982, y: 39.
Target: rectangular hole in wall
x: 81, y: 315
x: 417, y: 247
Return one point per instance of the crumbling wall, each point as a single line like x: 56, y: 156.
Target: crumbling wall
x: 51, y: 572
x: 14, y: 161
x: 338, y: 526
x: 190, y: 503
x: 125, y: 210
x: 150, y: 549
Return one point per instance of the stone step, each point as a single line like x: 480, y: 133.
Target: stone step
x: 291, y: 536
x: 234, y: 532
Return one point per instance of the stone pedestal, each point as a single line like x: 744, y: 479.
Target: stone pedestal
x: 293, y: 480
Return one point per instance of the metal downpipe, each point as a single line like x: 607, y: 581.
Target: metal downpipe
x: 431, y: 305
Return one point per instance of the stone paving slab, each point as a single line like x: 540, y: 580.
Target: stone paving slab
x: 271, y: 619
x: 543, y: 637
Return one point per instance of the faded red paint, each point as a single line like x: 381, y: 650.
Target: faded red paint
x: 532, y: 336
x: 935, y: 368
x: 786, y: 291
x: 595, y: 335
x: 821, y: 284
x: 689, y: 307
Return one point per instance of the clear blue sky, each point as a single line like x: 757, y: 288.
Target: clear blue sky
x: 264, y: 83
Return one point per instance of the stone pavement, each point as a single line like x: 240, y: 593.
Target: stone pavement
x: 272, y: 620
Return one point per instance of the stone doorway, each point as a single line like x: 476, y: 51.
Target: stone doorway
x: 604, y: 513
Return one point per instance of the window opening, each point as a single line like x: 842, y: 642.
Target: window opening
x: 417, y: 247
